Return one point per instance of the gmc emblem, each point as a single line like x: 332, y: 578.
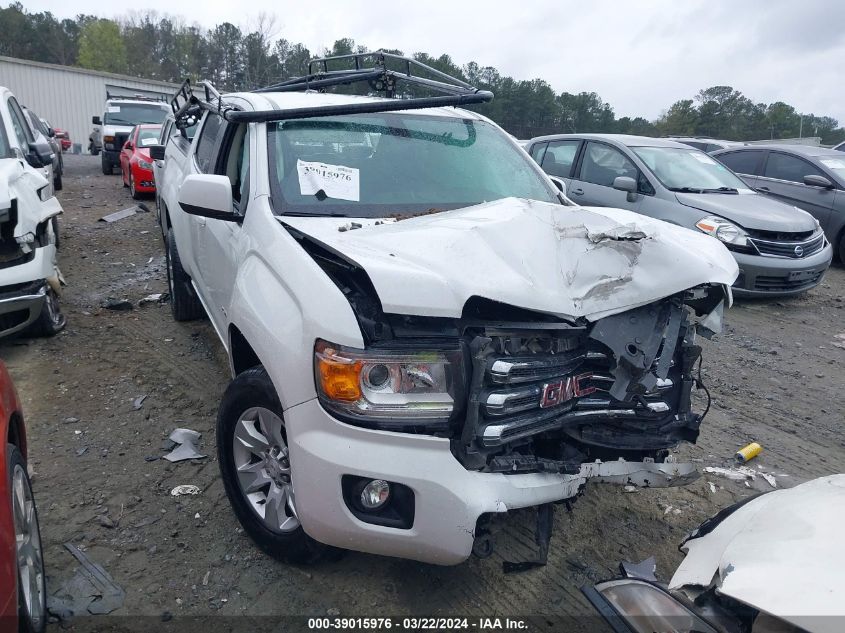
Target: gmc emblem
x: 555, y: 393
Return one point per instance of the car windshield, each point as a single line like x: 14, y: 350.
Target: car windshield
x: 689, y: 170
x: 834, y: 164
x: 135, y: 113
x: 391, y: 165
x: 148, y: 136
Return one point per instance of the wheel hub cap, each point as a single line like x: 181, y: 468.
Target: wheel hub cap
x: 28, y: 546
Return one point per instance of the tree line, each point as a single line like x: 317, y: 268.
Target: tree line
x: 233, y: 57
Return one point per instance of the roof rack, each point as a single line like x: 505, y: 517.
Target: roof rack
x: 188, y: 106
x: 135, y: 97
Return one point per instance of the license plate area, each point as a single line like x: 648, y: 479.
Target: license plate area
x: 802, y: 275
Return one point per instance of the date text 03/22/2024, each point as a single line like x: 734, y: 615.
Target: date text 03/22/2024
x: 418, y: 624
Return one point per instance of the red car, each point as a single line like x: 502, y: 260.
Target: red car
x: 23, y: 594
x: 136, y: 165
x: 64, y: 138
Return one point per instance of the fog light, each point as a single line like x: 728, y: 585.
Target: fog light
x: 375, y: 494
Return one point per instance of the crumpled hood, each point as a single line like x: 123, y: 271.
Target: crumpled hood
x: 780, y: 553
x: 11, y: 173
x: 566, y: 261
x: 751, y: 211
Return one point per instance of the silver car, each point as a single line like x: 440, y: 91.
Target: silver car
x: 811, y: 178
x: 779, y: 248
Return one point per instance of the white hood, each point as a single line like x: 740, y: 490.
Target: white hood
x: 21, y: 182
x: 567, y: 261
x: 780, y: 553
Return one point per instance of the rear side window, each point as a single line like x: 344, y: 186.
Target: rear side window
x: 742, y: 162
x: 602, y: 164
x: 208, y: 141
x: 791, y: 168
x: 559, y: 158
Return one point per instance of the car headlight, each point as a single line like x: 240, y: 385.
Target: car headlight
x: 647, y: 608
x: 144, y: 164
x: 405, y: 386
x: 45, y: 193
x: 724, y: 231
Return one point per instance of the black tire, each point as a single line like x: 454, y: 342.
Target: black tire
x: 841, y: 248
x: 26, y: 622
x: 123, y: 180
x: 106, y: 165
x: 93, y: 149
x: 184, y: 303
x: 253, y: 388
x: 57, y: 181
x: 52, y: 320
x: 55, y: 222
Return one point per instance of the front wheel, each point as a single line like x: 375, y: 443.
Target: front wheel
x: 52, y: 320
x: 57, y: 182
x: 842, y: 249
x: 184, y: 303
x: 106, y: 165
x: 29, y: 556
x: 252, y: 448
x: 132, y: 190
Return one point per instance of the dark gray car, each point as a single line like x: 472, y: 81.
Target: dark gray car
x: 45, y: 137
x: 811, y: 178
x: 779, y: 249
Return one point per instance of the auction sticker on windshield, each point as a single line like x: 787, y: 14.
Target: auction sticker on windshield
x: 703, y: 158
x: 335, y: 181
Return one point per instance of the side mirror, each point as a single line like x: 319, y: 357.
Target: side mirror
x: 815, y: 180
x: 51, y: 132
x: 38, y: 158
x: 559, y: 184
x: 209, y: 197
x: 627, y: 184
x: 156, y: 152
x: 127, y: 145
x: 96, y: 120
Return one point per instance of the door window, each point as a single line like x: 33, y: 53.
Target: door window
x: 742, y: 162
x: 559, y: 158
x: 602, y: 164
x: 22, y: 131
x: 537, y: 152
x: 791, y: 168
x: 235, y: 162
x: 206, y: 151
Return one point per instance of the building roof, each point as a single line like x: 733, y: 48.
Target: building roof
x: 86, y: 71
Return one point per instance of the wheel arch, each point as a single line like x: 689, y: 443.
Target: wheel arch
x: 242, y: 356
x: 16, y: 433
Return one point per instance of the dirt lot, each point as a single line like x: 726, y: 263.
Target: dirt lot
x: 775, y: 375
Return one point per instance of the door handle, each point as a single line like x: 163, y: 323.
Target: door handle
x: 762, y: 189
x: 577, y: 192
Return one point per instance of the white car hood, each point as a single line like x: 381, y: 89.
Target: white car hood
x: 780, y: 553
x: 567, y: 261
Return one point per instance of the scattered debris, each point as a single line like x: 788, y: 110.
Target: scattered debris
x: 667, y: 510
x: 106, y: 521
x: 630, y: 489
x: 119, y: 215
x: 741, y: 473
x: 70, y: 420
x: 81, y: 451
x: 185, y: 489
x: 91, y: 590
x: 747, y: 453
x: 712, y: 487
x: 187, y: 449
x: 138, y: 402
x: 205, y: 578
x: 151, y: 458
x: 120, y: 305
x: 197, y: 515
x: 770, y: 479
x: 840, y: 343
x: 644, y: 570
x: 158, y: 297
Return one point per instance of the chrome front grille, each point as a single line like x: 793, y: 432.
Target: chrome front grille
x: 791, y: 249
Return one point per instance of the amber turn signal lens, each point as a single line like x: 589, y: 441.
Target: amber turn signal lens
x: 340, y: 379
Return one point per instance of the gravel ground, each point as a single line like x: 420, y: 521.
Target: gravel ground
x: 775, y: 375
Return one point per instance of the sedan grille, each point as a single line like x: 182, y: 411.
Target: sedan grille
x: 792, y: 249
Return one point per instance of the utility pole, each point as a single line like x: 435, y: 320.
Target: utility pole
x: 801, y: 128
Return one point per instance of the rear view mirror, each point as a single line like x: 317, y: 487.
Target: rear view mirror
x: 815, y: 180
x: 38, y: 158
x: 208, y: 196
x: 627, y: 184
x: 127, y: 145
x: 156, y: 152
x: 96, y: 120
x: 559, y: 184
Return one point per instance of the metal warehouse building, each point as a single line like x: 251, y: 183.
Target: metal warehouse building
x: 68, y: 96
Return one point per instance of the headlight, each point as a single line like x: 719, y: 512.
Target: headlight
x: 46, y: 192
x: 406, y: 386
x: 144, y: 164
x: 723, y: 230
x: 647, y: 608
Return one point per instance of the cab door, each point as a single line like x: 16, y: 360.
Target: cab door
x: 783, y: 178
x: 600, y: 164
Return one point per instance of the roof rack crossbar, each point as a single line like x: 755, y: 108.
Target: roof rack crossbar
x: 188, y: 106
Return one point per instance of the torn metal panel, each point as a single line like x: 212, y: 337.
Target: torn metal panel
x: 780, y: 553
x: 188, y: 441
x: 91, y: 591
x: 569, y: 262
x: 119, y: 215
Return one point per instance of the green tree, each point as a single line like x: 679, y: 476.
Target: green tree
x: 681, y: 119
x: 101, y: 47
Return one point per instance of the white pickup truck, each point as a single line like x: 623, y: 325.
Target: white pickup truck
x: 423, y: 332
x: 30, y: 281
x: 120, y: 115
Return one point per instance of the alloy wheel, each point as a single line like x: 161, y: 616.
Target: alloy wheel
x: 262, y: 463
x: 28, y: 547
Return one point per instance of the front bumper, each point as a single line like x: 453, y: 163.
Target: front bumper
x: 761, y: 276
x: 23, y: 288
x: 144, y: 179
x: 448, y: 498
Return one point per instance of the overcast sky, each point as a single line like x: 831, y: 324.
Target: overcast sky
x: 638, y: 56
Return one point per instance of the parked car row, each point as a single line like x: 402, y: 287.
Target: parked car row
x: 780, y: 249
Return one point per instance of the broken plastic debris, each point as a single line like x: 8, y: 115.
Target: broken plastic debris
x: 747, y: 453
x: 187, y: 449
x: 712, y: 487
x: 630, y: 488
x: 91, y: 590
x: 644, y: 570
x: 185, y: 489
x: 158, y: 297
x: 138, y: 402
x: 119, y: 215
x: 741, y: 473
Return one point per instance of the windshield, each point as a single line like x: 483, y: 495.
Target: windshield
x: 689, y: 170
x: 148, y: 136
x: 135, y: 113
x: 834, y: 164
x: 383, y: 165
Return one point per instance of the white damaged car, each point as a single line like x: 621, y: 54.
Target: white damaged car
x: 424, y: 334
x: 30, y: 281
